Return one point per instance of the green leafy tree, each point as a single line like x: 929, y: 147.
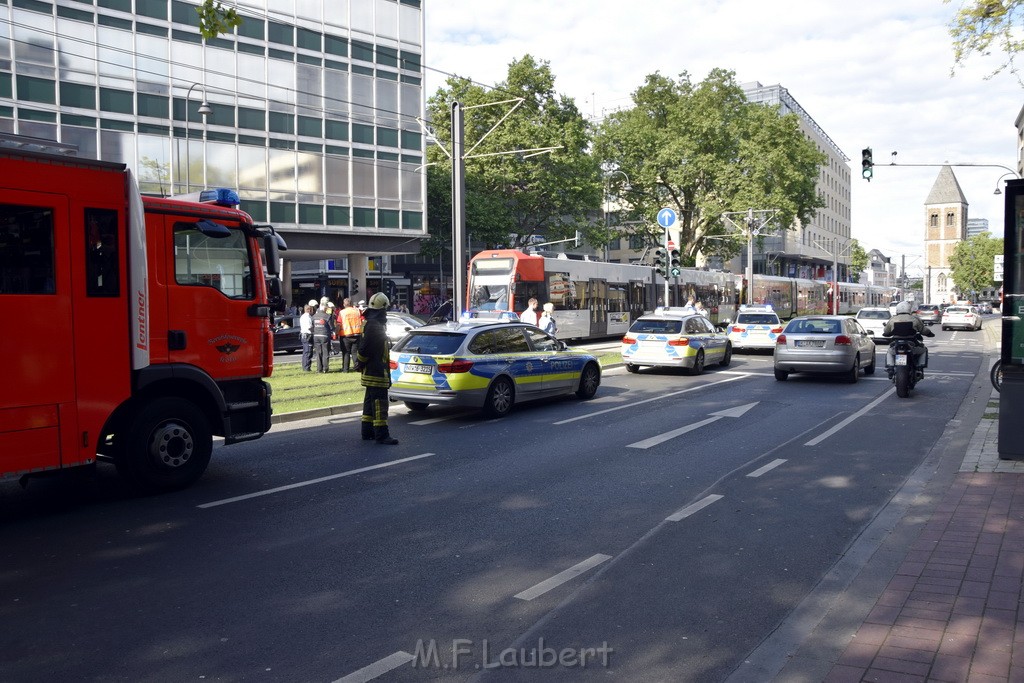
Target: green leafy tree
x: 983, y: 26
x: 858, y: 260
x: 973, y: 262
x: 704, y: 150
x: 215, y: 19
x: 511, y: 196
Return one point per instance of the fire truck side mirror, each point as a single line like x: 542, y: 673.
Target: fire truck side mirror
x: 273, y: 257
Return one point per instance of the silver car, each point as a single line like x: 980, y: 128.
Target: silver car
x: 824, y: 343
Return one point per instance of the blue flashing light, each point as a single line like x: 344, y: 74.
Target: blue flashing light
x: 221, y: 196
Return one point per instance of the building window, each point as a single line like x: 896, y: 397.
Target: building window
x: 950, y: 218
x: 933, y: 220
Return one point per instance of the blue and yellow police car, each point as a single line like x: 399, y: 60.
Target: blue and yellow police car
x: 674, y: 339
x: 488, y: 364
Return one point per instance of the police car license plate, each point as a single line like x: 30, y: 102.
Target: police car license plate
x: 901, y: 359
x: 421, y: 369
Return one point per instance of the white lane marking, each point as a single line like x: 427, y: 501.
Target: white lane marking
x: 738, y: 411
x: 319, y: 480
x: 767, y: 468
x: 432, y: 420
x: 818, y: 439
x: 696, y: 507
x: 561, y: 577
x: 662, y: 397
x: 378, y: 668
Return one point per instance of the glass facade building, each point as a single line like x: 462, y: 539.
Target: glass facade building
x: 311, y: 112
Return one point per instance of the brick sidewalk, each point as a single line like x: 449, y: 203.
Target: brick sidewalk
x: 952, y: 610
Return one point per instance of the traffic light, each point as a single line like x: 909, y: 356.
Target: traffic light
x: 674, y: 265
x: 867, y: 164
x: 659, y: 261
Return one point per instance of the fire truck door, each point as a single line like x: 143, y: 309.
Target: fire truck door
x: 37, y: 412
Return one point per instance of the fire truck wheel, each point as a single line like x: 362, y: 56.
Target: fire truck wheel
x: 167, y: 447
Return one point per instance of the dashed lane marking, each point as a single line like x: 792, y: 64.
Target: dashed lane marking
x: 562, y: 577
x: 319, y: 480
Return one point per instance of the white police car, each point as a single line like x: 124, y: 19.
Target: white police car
x: 755, y: 327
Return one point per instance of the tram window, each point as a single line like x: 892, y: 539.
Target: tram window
x: 617, y: 299
x: 560, y: 290
x: 580, y: 291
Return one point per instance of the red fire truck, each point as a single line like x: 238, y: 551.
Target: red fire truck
x: 136, y: 328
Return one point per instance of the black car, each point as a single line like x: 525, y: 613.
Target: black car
x: 286, y: 334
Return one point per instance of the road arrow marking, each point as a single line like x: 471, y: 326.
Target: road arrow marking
x: 715, y: 417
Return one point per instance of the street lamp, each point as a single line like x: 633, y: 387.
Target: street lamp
x: 998, y: 191
x: 204, y: 109
x: 609, y: 170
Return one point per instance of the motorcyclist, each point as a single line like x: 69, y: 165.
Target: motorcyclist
x: 908, y: 326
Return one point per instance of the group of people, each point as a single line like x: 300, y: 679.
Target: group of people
x: 545, y: 319
x: 320, y: 324
x: 365, y: 348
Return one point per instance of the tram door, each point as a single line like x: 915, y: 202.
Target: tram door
x: 598, y: 307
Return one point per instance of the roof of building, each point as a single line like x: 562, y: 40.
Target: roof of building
x: 946, y: 189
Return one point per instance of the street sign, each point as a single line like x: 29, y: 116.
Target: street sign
x: 666, y: 217
x: 997, y: 268
x: 671, y: 244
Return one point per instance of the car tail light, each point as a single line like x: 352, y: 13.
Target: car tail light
x: 776, y: 330
x: 628, y: 340
x: 455, y: 366
x: 737, y: 329
x: 682, y: 341
x: 781, y: 340
x: 843, y: 340
x: 392, y: 365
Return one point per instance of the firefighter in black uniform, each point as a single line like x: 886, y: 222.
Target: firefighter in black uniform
x: 372, y: 361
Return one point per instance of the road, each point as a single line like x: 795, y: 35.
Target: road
x: 658, y: 532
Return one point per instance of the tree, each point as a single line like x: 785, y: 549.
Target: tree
x: 973, y: 262
x: 215, y: 19
x: 510, y: 197
x: 980, y: 26
x: 703, y: 150
x: 858, y: 260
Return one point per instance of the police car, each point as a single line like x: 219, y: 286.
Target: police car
x: 489, y: 364
x: 674, y: 338
x: 755, y: 327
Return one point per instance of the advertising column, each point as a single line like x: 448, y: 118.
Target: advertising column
x: 1011, y: 397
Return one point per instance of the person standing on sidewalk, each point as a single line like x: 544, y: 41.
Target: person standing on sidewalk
x: 306, y: 335
x: 350, y: 329
x: 373, y: 361
x: 322, y: 338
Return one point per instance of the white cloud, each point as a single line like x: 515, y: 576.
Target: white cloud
x: 870, y: 72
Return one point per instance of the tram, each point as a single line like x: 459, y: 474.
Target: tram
x: 595, y: 299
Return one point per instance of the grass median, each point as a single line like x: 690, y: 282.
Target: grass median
x: 295, y: 390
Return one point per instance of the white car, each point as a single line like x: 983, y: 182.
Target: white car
x: 962, y: 317
x: 755, y: 327
x: 873, y: 319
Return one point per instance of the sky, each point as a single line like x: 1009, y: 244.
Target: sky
x: 871, y: 73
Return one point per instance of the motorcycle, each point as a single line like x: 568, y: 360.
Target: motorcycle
x: 902, y: 366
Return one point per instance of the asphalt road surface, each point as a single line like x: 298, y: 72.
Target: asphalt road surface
x: 658, y: 532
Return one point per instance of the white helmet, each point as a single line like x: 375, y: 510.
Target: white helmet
x: 313, y: 303
x: 903, y: 307
x: 379, y: 300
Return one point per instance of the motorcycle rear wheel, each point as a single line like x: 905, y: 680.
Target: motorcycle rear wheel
x: 902, y: 381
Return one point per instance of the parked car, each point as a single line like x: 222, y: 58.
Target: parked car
x: 286, y: 334
x: 755, y: 327
x: 671, y: 339
x: 930, y: 314
x: 824, y: 343
x: 873, y: 319
x: 489, y: 364
x: 961, y: 317
x: 400, y: 323
x: 984, y: 307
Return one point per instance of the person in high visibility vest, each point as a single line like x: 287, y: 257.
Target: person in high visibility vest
x: 350, y: 329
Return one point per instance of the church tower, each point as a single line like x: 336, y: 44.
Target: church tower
x: 945, y: 213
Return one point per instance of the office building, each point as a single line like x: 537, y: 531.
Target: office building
x: 309, y: 109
